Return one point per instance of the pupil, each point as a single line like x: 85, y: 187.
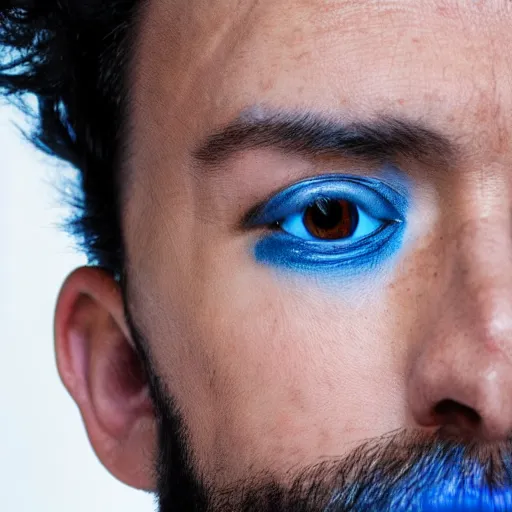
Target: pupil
x: 331, y: 219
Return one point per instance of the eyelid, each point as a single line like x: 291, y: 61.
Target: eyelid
x: 385, y: 202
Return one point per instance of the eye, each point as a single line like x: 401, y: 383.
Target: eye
x: 331, y: 219
x: 334, y: 222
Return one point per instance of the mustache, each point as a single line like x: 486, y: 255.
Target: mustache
x: 400, y: 471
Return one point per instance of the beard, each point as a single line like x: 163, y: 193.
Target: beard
x: 405, y: 470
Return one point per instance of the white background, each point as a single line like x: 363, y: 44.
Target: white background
x: 46, y: 462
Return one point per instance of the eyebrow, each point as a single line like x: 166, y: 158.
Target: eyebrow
x: 311, y: 134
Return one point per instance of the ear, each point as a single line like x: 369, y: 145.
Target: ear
x: 99, y: 366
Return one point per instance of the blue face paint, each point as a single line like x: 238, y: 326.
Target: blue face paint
x: 381, y: 215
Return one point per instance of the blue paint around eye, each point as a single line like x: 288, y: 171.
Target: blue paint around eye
x: 378, y: 236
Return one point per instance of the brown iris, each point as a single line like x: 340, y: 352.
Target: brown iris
x: 331, y: 219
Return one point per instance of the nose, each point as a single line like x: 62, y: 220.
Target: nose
x: 461, y: 372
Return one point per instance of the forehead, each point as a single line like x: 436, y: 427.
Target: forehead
x: 199, y: 64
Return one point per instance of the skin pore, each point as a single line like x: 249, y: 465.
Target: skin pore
x: 254, y: 371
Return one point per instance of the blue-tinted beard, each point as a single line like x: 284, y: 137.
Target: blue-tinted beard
x: 437, y: 475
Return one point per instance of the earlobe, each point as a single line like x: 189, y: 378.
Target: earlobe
x: 100, y: 368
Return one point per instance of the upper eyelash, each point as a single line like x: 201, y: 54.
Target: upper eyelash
x: 397, y: 202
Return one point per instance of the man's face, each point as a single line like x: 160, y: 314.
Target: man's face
x: 337, y: 266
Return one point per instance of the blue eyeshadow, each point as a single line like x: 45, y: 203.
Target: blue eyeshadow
x: 375, y: 198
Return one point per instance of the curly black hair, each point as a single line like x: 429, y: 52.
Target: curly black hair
x: 72, y: 55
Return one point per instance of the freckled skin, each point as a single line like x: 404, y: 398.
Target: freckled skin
x: 271, y: 373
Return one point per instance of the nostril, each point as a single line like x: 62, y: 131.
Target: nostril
x: 457, y: 419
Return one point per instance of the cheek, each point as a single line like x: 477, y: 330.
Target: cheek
x: 274, y: 374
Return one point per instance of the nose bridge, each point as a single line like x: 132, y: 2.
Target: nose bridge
x: 465, y: 352
x: 479, y: 288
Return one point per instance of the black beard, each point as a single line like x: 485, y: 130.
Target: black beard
x: 395, y: 472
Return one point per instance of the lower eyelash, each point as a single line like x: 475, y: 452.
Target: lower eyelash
x: 286, y: 251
